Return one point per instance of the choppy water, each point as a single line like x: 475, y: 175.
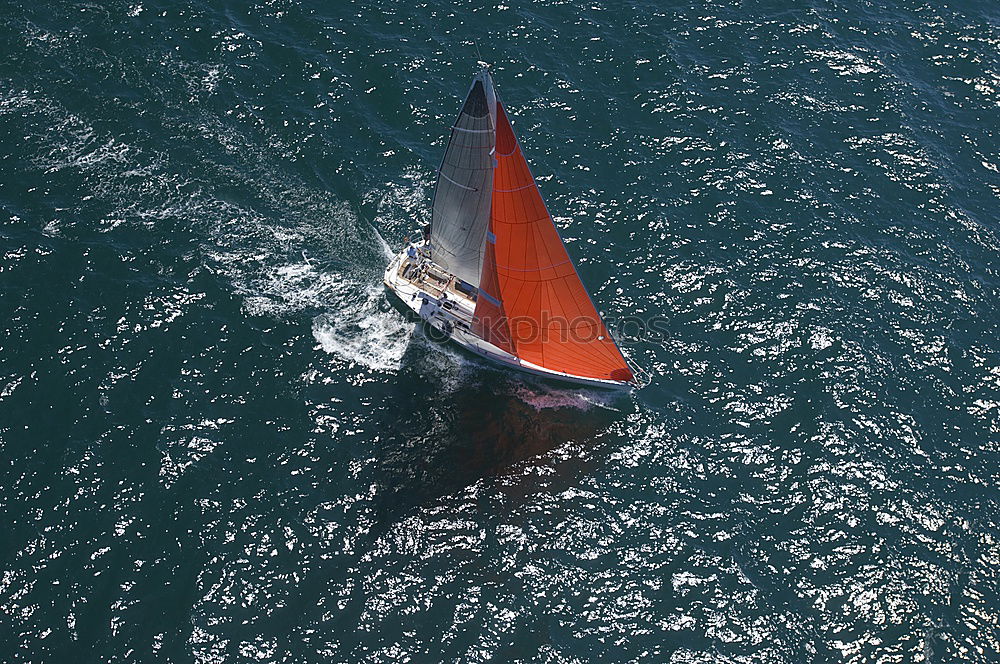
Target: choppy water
x: 218, y: 442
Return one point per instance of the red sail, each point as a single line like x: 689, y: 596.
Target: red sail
x: 535, y: 303
x: 490, y: 320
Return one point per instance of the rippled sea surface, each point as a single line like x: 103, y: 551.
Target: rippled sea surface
x: 219, y: 442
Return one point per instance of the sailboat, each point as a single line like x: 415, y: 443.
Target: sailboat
x: 490, y: 271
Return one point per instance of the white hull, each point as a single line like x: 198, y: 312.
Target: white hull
x: 432, y: 295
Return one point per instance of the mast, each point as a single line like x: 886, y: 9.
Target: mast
x: 464, y: 190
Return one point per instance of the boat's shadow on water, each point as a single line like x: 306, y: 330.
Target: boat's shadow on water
x: 483, y: 425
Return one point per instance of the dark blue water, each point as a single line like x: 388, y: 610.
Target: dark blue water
x: 219, y: 443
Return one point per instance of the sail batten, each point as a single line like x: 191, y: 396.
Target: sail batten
x: 538, y: 308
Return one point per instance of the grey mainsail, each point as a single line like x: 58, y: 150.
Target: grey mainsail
x: 464, y: 189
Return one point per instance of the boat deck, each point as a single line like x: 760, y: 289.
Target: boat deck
x: 431, y: 279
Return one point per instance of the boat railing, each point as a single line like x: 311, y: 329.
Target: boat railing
x: 642, y: 377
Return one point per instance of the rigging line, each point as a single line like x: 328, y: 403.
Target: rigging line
x: 507, y: 191
x: 518, y: 223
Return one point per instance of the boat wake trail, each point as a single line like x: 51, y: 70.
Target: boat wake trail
x: 359, y: 329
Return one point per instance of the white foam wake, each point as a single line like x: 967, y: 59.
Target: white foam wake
x: 359, y: 331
